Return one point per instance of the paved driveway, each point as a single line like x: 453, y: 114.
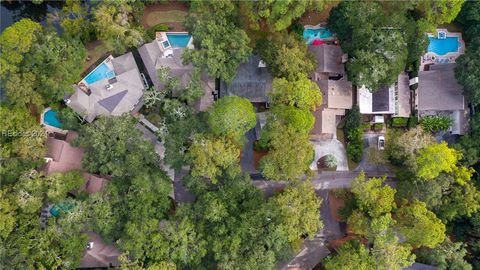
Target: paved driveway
x: 333, y: 147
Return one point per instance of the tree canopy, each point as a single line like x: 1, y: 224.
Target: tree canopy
x: 301, y: 93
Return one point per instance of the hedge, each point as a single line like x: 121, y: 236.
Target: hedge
x: 399, y: 121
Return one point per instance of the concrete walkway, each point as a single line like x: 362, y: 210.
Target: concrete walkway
x: 330, y: 147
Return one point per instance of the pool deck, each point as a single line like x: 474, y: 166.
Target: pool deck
x: 162, y: 36
x: 47, y: 127
x: 107, y: 61
x: 430, y: 58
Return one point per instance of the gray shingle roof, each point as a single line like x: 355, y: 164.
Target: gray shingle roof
x: 381, y: 99
x: 126, y: 90
x: 438, y: 90
x: 329, y: 58
x: 251, y: 82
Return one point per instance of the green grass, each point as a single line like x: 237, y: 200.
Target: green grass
x: 158, y: 17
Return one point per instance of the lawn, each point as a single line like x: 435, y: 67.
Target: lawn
x: 171, y: 16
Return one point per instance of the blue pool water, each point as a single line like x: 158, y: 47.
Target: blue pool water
x: 50, y: 118
x: 179, y: 40
x: 311, y: 34
x: 443, y: 46
x: 99, y: 73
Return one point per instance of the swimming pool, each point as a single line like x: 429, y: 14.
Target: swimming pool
x: 179, y: 40
x: 312, y: 34
x: 50, y: 118
x: 443, y: 46
x: 99, y: 73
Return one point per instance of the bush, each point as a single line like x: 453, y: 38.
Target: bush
x: 377, y: 126
x: 297, y: 28
x: 330, y: 161
x: 157, y: 28
x: 412, y: 121
x: 355, y: 144
x: 436, y: 123
x: 399, y: 121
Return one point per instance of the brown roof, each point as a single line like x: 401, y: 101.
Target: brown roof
x: 93, y: 183
x: 100, y: 255
x: 337, y: 94
x: 329, y: 58
x: 438, y: 90
x: 64, y: 156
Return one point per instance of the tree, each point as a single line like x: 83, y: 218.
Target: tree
x: 69, y: 119
x: 371, y: 197
x: 22, y: 137
x: 302, y: 93
x: 232, y: 117
x: 298, y: 211
x: 448, y: 255
x: 469, y: 144
x: 15, y: 41
x: 290, y: 154
x: 220, y: 46
x: 440, y: 12
x: 469, y: 19
x: 403, y: 147
x: 286, y: 57
x: 43, y: 64
x: 354, y: 133
x: 390, y: 254
x: 60, y: 184
x: 299, y: 120
x: 152, y: 96
x: 420, y: 226
x: 374, y: 41
x: 74, y: 20
x: 279, y: 14
x: 436, y: 158
x: 113, y: 146
x: 211, y: 157
x: 467, y: 72
x: 115, y: 24
x: 352, y: 255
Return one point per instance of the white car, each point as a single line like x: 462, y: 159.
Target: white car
x: 381, y: 143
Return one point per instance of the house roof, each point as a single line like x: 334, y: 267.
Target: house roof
x: 337, y: 94
x: 153, y: 59
x: 329, y: 58
x: 125, y: 92
x: 438, y: 90
x: 64, y: 156
x: 93, y: 183
x: 100, y: 255
x: 252, y: 82
x: 381, y: 99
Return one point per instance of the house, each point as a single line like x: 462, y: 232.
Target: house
x: 336, y: 89
x: 61, y: 157
x: 392, y: 100
x: 253, y: 81
x: 99, y: 254
x: 439, y: 93
x: 113, y: 88
x: 157, y: 55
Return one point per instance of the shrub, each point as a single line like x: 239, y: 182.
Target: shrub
x: 157, y: 28
x: 436, y: 123
x: 377, y: 126
x: 297, y: 28
x: 330, y: 161
x: 399, y: 121
x: 355, y: 144
x: 412, y: 121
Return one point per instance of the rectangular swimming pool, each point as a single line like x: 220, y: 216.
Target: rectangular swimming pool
x: 99, y: 73
x: 313, y: 34
x: 443, y: 46
x: 178, y: 40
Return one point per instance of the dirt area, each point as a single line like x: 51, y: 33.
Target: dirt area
x: 257, y: 155
x: 172, y: 14
x: 95, y: 51
x: 315, y: 17
x: 335, y: 204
